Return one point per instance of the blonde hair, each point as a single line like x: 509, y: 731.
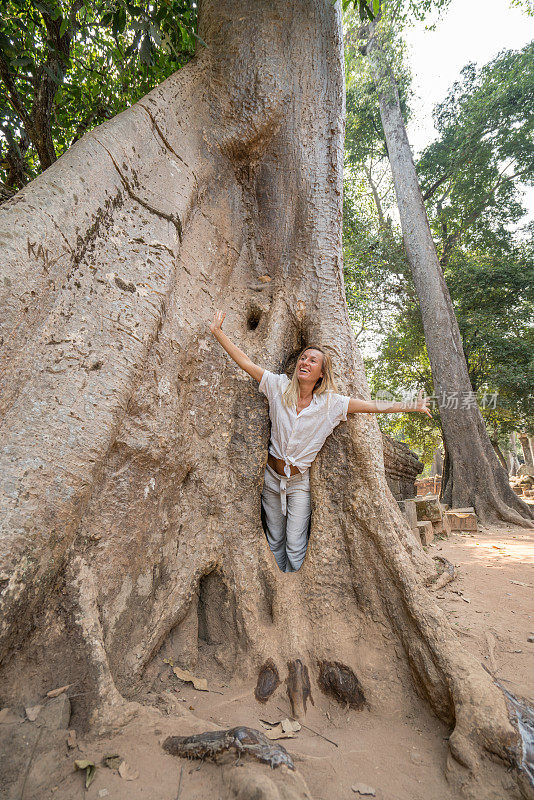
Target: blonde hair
x: 327, y: 383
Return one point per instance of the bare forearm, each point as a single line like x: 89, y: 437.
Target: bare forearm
x: 381, y: 407
x: 240, y: 358
x: 233, y: 351
x: 384, y: 407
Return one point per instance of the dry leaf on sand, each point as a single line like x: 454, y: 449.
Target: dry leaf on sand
x: 113, y: 762
x: 127, y: 772
x: 365, y: 791
x: 57, y: 692
x: 90, y: 770
x: 199, y: 683
x: 280, y: 730
x: 33, y: 712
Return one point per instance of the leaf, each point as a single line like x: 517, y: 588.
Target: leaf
x: 362, y: 789
x: 281, y: 730
x: 32, y: 712
x: 57, y: 692
x: 90, y: 770
x: 22, y: 61
x: 198, y: 38
x: 290, y: 725
x: 63, y: 27
x: 113, y: 762
x: 199, y: 683
x: 278, y: 733
x: 128, y: 773
x: 145, y: 51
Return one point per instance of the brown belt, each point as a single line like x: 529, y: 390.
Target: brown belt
x: 278, y: 465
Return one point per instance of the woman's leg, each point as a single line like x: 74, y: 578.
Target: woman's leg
x: 274, y: 519
x: 298, y: 518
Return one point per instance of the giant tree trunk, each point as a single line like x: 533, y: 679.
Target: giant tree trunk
x: 134, y: 449
x: 472, y: 474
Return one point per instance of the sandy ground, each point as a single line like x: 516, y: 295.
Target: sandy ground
x: 400, y: 757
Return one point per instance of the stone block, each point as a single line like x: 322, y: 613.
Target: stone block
x: 426, y: 531
x: 428, y: 508
x: 526, y: 469
x: 443, y: 527
x: 410, y: 512
x: 416, y: 537
x: 462, y: 521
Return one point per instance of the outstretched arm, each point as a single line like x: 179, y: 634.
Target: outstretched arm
x: 382, y: 407
x: 234, y: 352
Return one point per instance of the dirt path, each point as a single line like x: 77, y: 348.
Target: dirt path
x: 401, y: 756
x: 496, y: 574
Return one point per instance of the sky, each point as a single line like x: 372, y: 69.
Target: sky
x: 470, y: 30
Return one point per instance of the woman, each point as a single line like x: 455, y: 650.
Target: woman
x: 303, y: 412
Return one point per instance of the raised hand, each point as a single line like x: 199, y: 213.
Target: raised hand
x: 218, y: 320
x: 421, y: 404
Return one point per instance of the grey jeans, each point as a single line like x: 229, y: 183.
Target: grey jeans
x: 287, y: 507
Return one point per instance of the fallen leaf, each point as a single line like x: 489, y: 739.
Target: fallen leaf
x: 90, y: 770
x: 8, y: 717
x: 113, y: 762
x: 57, y: 692
x: 265, y: 278
x: 362, y: 789
x: 290, y: 725
x: 71, y: 738
x: 287, y: 725
x: 184, y: 675
x: 127, y: 772
x: 278, y: 733
x: 33, y: 712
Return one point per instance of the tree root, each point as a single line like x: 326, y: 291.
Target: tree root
x: 268, y: 681
x: 244, y: 741
x: 448, y: 574
x: 298, y: 688
x: 341, y: 683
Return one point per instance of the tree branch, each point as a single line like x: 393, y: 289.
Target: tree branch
x: 14, y: 96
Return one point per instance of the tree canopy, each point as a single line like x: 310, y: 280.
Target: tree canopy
x: 65, y: 67
x: 472, y: 176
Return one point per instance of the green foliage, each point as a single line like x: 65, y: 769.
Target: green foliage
x: 66, y: 67
x: 473, y: 203
x: 471, y: 176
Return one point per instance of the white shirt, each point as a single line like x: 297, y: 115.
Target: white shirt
x: 297, y: 438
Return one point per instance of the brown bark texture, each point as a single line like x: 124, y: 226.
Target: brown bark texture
x: 133, y: 449
x: 472, y: 474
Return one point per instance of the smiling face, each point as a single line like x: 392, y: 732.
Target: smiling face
x: 310, y: 366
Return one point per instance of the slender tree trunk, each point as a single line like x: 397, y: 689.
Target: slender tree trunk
x: 134, y: 449
x: 525, y: 442
x: 472, y: 474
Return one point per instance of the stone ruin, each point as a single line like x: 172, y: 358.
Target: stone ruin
x: 402, y: 467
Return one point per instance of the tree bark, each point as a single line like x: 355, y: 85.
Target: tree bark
x: 134, y: 450
x: 526, y: 441
x: 472, y: 474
